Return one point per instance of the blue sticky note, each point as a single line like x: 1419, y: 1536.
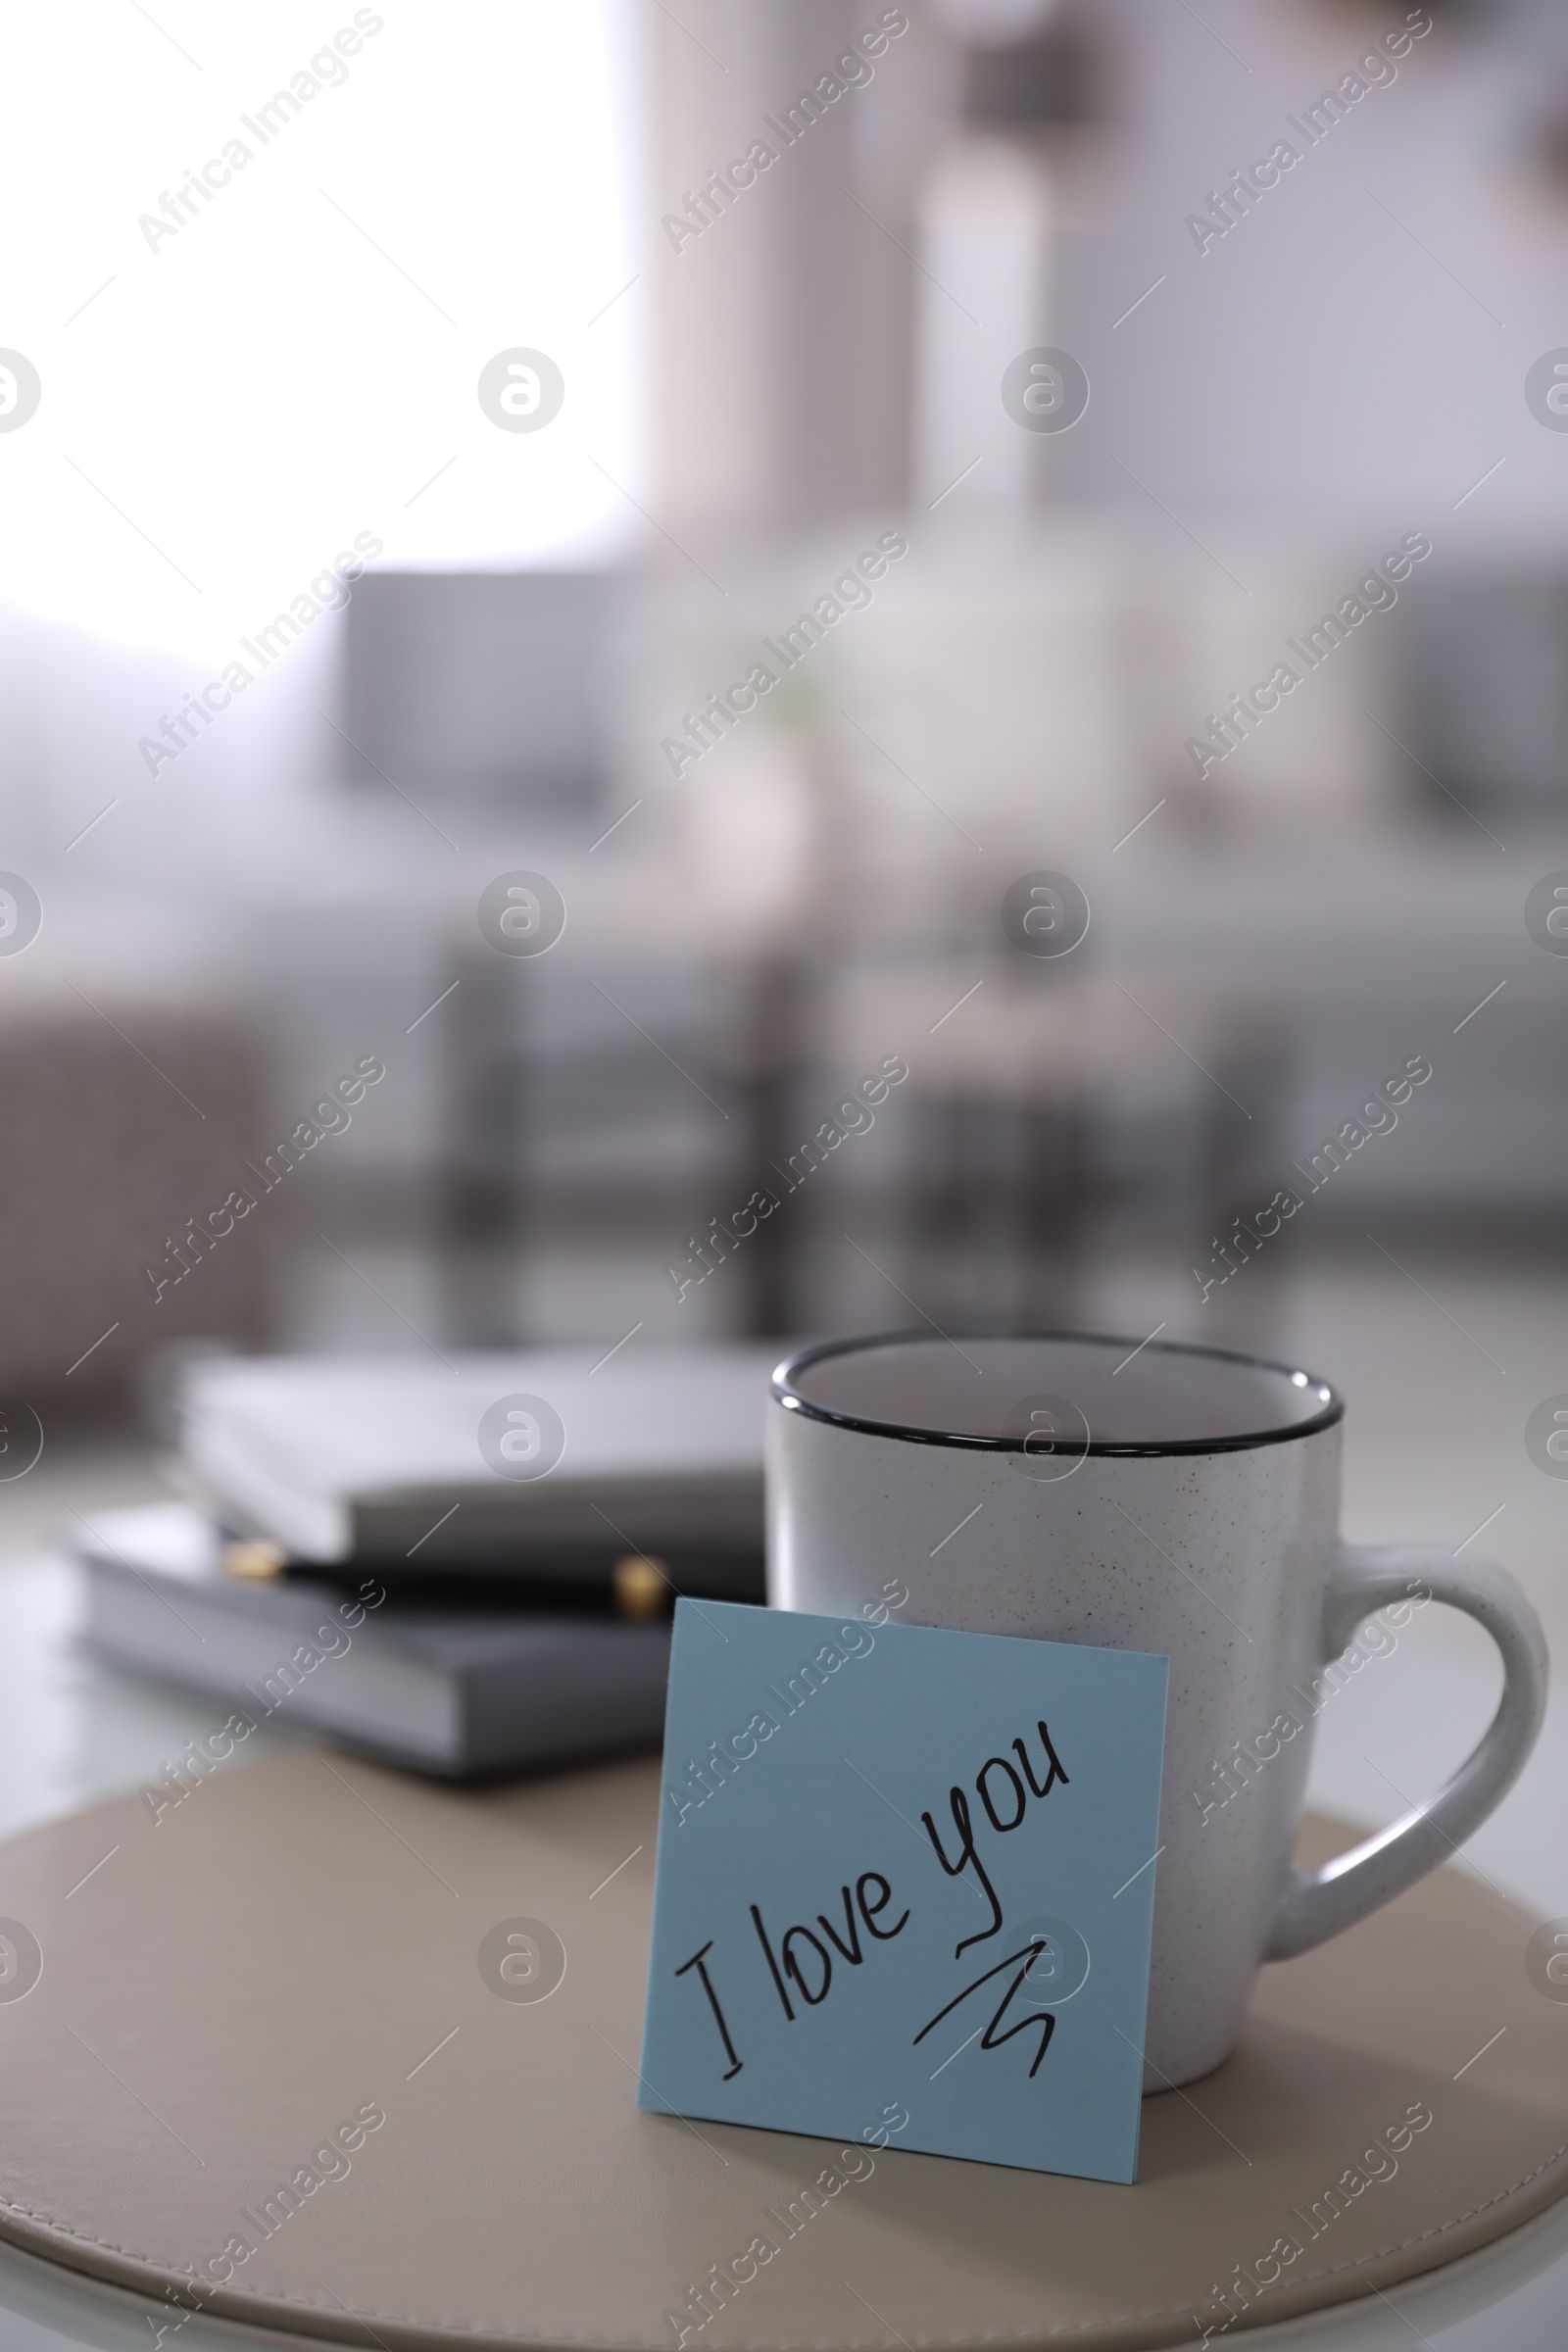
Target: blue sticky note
x: 904, y: 1888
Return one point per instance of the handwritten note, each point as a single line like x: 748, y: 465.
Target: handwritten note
x: 906, y: 1872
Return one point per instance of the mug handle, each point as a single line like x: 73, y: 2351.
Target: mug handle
x: 1318, y: 1903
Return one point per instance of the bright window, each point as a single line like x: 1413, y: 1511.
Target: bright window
x: 237, y: 383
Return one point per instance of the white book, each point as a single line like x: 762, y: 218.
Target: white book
x: 347, y: 1457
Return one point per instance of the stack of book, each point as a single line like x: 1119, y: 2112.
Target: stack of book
x: 467, y: 1570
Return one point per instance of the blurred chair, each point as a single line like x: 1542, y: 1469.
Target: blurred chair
x: 1035, y: 1129
x: 626, y: 1104
x: 1045, y: 1128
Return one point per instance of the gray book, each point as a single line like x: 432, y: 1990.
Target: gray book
x: 458, y: 1692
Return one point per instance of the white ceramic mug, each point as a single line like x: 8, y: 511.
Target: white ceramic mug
x: 1182, y: 1500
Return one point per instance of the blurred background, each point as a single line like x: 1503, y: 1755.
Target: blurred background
x: 409, y: 425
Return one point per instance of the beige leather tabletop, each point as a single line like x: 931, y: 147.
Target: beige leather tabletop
x: 266, y: 2047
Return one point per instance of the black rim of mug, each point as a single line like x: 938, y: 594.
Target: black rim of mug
x: 788, y: 1393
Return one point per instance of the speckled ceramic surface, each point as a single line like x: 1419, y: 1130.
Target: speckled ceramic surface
x: 1229, y: 1564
